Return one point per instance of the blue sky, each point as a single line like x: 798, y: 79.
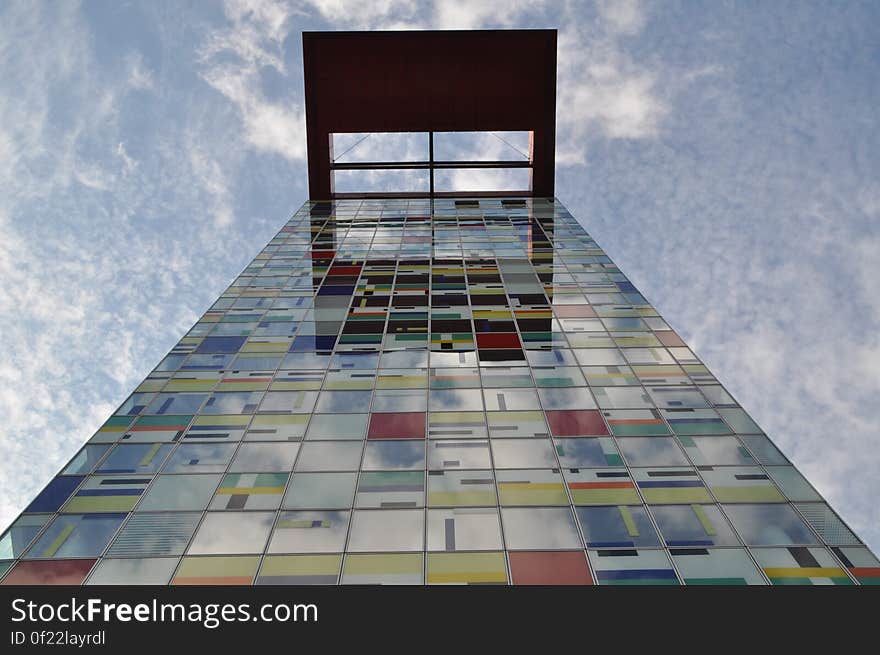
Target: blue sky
x: 726, y: 155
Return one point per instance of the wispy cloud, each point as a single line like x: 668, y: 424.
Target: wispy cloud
x: 232, y: 60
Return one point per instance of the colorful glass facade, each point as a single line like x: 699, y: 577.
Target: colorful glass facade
x: 428, y: 392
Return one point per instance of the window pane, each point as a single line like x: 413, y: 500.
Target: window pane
x: 651, y: 451
x: 527, y: 528
x: 309, y: 532
x: 155, y: 534
x: 138, y: 571
x: 395, y: 455
x: 232, y: 533
x: 387, y: 530
x: 464, y: 529
x: 320, y: 491
x: 180, y: 492
x: 693, y: 525
x: 616, y: 527
x: 391, y: 489
x: 76, y: 535
x: 329, y: 456
x: 264, y: 457
x: 769, y: 525
x: 716, y: 566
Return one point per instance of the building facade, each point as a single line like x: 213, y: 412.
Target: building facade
x: 431, y: 391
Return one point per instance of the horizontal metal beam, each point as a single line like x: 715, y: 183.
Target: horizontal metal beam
x: 419, y: 165
x: 437, y: 194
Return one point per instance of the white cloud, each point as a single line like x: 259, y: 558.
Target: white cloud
x: 624, y: 16
x: 601, y: 90
x: 128, y: 163
x: 366, y: 14
x: 470, y: 14
x: 139, y: 76
x: 232, y: 58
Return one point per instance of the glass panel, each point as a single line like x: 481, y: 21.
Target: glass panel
x: 232, y: 533
x: 138, y: 571
x: 510, y: 399
x: 566, y: 398
x: 737, y: 484
x: 676, y: 397
x: 200, y: 458
x: 632, y: 567
x: 769, y: 525
x: 792, y: 483
x: 391, y: 489
x: 532, y: 487
x: 861, y: 563
x: 180, y: 492
x: 394, y: 455
x: 397, y: 425
x: 464, y: 529
x: 155, y: 534
x: 461, y: 488
x: 527, y: 528
x: 20, y: 534
x: 277, y: 427
x: 716, y: 566
x: 57, y: 572
x: 601, y: 486
x: 800, y: 565
x: 383, y: 568
x: 135, y: 458
x: 763, y: 449
x: 454, y: 400
x: 397, y: 400
x: 827, y: 524
x: 588, y: 452
x: 250, y: 491
x: 460, y: 425
x: 517, y: 424
x: 622, y: 397
x: 299, y: 570
x: 693, y: 525
x: 233, y: 402
x: 651, y: 451
x: 329, y: 456
x: 671, y: 485
x: 176, y: 403
x: 387, y: 530
x: 468, y: 454
x: 320, y: 491
x: 337, y: 402
x: 85, y: 459
x: 264, y: 457
x: 466, y: 568
x: 549, y: 568
x: 76, y: 535
x: 616, y: 527
x: 288, y: 402
x: 216, y: 571
x: 309, y: 532
x: 523, y: 453
x: 716, y: 450
x: 337, y: 426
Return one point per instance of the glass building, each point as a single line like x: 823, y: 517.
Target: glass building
x: 431, y: 390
